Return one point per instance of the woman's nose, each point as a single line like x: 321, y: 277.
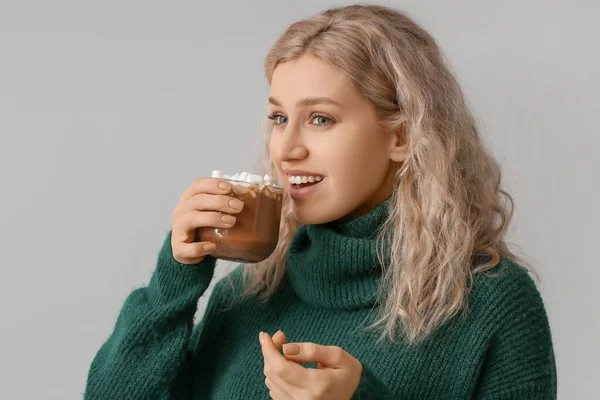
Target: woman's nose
x: 292, y: 143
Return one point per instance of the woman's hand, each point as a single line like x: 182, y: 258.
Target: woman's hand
x: 204, y: 204
x: 336, y: 378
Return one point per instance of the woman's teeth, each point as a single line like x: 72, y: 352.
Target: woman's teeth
x: 296, y: 180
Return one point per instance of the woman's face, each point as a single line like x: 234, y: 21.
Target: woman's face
x: 341, y: 142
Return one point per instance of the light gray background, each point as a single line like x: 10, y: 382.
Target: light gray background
x: 110, y: 109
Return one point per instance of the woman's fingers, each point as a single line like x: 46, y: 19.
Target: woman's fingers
x: 277, y: 367
x: 279, y: 339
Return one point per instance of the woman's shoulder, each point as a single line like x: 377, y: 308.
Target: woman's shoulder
x: 508, y: 274
x: 507, y: 289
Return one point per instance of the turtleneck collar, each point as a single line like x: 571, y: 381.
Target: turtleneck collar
x: 334, y: 265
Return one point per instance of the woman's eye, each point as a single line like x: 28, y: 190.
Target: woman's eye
x: 321, y: 118
x: 275, y: 118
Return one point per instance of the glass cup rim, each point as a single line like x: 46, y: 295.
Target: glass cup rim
x: 240, y: 181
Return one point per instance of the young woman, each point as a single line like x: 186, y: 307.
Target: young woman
x: 391, y: 279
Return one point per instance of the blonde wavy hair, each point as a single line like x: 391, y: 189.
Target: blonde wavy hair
x: 448, y: 209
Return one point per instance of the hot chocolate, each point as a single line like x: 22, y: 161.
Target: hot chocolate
x: 256, y: 231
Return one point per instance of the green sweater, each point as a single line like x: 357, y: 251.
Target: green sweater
x: 501, y: 349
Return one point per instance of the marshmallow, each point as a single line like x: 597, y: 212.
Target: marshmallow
x: 249, y: 179
x: 256, y: 180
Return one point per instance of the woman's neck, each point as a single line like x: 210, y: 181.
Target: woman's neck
x: 334, y: 265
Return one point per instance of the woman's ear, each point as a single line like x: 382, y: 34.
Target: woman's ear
x: 398, y: 146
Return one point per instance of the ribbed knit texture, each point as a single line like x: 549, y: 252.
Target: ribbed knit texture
x: 501, y: 348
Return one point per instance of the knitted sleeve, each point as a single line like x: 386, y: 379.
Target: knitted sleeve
x: 371, y: 388
x: 147, y: 351
x: 519, y: 363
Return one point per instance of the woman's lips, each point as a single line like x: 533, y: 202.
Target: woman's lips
x: 304, y: 191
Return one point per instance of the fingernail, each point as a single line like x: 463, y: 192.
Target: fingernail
x: 236, y: 204
x: 224, y: 186
x: 261, y: 338
x: 228, y: 219
x: 291, y: 349
x: 210, y: 247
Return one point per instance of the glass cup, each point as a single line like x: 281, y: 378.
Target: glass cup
x: 256, y: 231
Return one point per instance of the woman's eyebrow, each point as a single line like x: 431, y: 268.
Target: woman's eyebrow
x: 308, y: 101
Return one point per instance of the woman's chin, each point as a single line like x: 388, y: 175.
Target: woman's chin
x: 317, y: 216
